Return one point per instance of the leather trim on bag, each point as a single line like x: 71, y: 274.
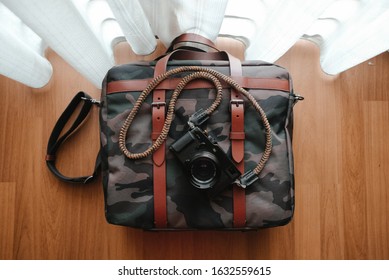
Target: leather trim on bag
x: 171, y: 84
x: 237, y: 146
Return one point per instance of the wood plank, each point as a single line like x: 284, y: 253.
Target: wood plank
x: 7, y: 219
x: 377, y: 167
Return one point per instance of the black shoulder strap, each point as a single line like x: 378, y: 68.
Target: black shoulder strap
x: 55, y: 140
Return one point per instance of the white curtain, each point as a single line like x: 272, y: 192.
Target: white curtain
x: 84, y: 32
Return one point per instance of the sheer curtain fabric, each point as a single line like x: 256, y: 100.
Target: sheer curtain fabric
x: 84, y: 32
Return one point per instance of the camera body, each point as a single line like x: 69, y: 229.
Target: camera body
x: 206, y: 165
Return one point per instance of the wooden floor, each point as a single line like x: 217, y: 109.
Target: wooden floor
x: 341, y: 163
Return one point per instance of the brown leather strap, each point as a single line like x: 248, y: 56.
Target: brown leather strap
x: 237, y: 134
x: 237, y: 147
x: 159, y: 163
x: 171, y: 84
x: 190, y: 55
x: 194, y: 38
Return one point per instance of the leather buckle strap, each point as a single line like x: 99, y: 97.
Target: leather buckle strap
x: 237, y: 137
x: 237, y: 148
x: 158, y: 104
x: 159, y: 163
x: 237, y: 131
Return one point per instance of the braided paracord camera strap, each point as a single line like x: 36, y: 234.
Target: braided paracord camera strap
x: 197, y: 73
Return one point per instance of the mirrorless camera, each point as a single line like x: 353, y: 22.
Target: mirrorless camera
x: 206, y: 165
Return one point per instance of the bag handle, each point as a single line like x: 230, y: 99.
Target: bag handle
x: 235, y: 64
x: 182, y: 54
x: 56, y: 140
x: 193, y: 41
x: 198, y: 118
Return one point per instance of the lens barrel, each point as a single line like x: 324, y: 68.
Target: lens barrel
x: 204, y: 170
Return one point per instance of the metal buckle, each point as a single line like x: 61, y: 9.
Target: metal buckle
x: 297, y: 98
x: 91, y: 100
x: 237, y: 102
x: 158, y: 104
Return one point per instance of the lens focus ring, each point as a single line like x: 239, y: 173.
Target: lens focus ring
x: 203, y: 170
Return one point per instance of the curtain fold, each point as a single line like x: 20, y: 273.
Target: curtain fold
x: 84, y: 32
x: 356, y: 39
x: 135, y: 26
x: 60, y: 24
x: 285, y: 22
x: 21, y: 54
x: 169, y: 19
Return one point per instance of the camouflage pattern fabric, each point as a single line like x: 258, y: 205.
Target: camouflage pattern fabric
x: 128, y: 184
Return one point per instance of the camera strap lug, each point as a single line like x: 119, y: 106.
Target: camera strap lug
x: 92, y: 100
x: 247, y: 179
x: 198, y: 118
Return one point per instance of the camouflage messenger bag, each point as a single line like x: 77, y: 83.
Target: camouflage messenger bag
x: 194, y: 140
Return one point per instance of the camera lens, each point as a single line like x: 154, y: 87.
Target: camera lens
x: 203, y: 169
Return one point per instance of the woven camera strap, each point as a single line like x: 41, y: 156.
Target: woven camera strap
x: 215, y: 77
